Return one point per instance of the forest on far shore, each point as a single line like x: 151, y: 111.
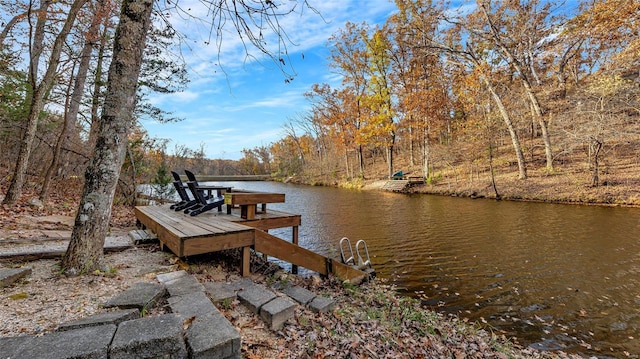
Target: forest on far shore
x: 513, y: 99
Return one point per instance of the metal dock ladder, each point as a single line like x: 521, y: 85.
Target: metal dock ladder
x: 356, y: 261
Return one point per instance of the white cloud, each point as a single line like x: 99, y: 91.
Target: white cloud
x: 304, y: 30
x: 234, y: 101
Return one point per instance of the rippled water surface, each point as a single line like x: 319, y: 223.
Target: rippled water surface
x: 553, y: 276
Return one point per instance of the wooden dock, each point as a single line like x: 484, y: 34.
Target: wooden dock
x: 400, y: 185
x: 214, y: 231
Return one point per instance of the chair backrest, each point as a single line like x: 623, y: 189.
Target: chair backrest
x: 193, y: 186
x: 190, y: 176
x: 179, y: 186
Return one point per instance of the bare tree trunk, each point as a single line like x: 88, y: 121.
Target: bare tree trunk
x: 492, y: 172
x: 37, y: 104
x: 412, y: 161
x: 390, y: 160
x: 85, y: 251
x: 597, y: 146
x: 46, y: 184
x: 361, y: 161
x: 541, y: 121
x: 37, y: 45
x: 522, y: 169
x: 532, y: 67
x: 426, y: 150
x: 535, y: 103
x: 97, y: 88
x: 346, y: 163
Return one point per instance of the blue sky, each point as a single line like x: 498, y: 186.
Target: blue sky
x: 248, y: 104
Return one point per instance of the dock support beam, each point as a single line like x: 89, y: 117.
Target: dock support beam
x: 294, y: 240
x: 245, y: 270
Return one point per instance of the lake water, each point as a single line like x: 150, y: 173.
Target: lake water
x: 553, y: 276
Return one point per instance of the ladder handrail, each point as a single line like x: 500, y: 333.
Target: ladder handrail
x: 348, y: 261
x: 361, y: 262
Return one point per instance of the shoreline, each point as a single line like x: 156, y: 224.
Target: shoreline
x: 437, y: 190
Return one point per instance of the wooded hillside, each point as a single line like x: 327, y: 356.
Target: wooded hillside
x: 495, y: 88
x: 492, y: 89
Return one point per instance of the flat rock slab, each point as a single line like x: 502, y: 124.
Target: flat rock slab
x: 322, y: 304
x: 183, y: 285
x: 219, y: 291
x: 115, y: 317
x: 12, y: 347
x: 140, y: 295
x: 255, y: 296
x: 169, y: 276
x: 85, y: 343
x: 9, y: 276
x: 241, y: 284
x: 277, y: 312
x: 192, y: 305
x: 213, y: 337
x: 152, y: 337
x: 299, y: 294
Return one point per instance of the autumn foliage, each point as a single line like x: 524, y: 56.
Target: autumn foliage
x: 526, y: 88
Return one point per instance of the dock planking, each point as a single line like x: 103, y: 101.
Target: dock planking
x: 214, y: 231
x: 186, y: 235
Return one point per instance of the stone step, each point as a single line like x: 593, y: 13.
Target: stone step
x: 273, y: 309
x: 212, y: 336
x: 83, y: 343
x: 306, y: 297
x: 277, y: 311
x: 208, y: 334
x: 151, y: 337
x: 115, y: 318
x: 299, y: 294
x: 183, y: 285
x: 190, y: 305
x: 196, y: 328
x: 254, y: 296
x: 9, y: 276
x: 140, y: 295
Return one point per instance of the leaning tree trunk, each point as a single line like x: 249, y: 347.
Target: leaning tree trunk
x: 515, y: 141
x: 85, y: 252
x: 515, y: 63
